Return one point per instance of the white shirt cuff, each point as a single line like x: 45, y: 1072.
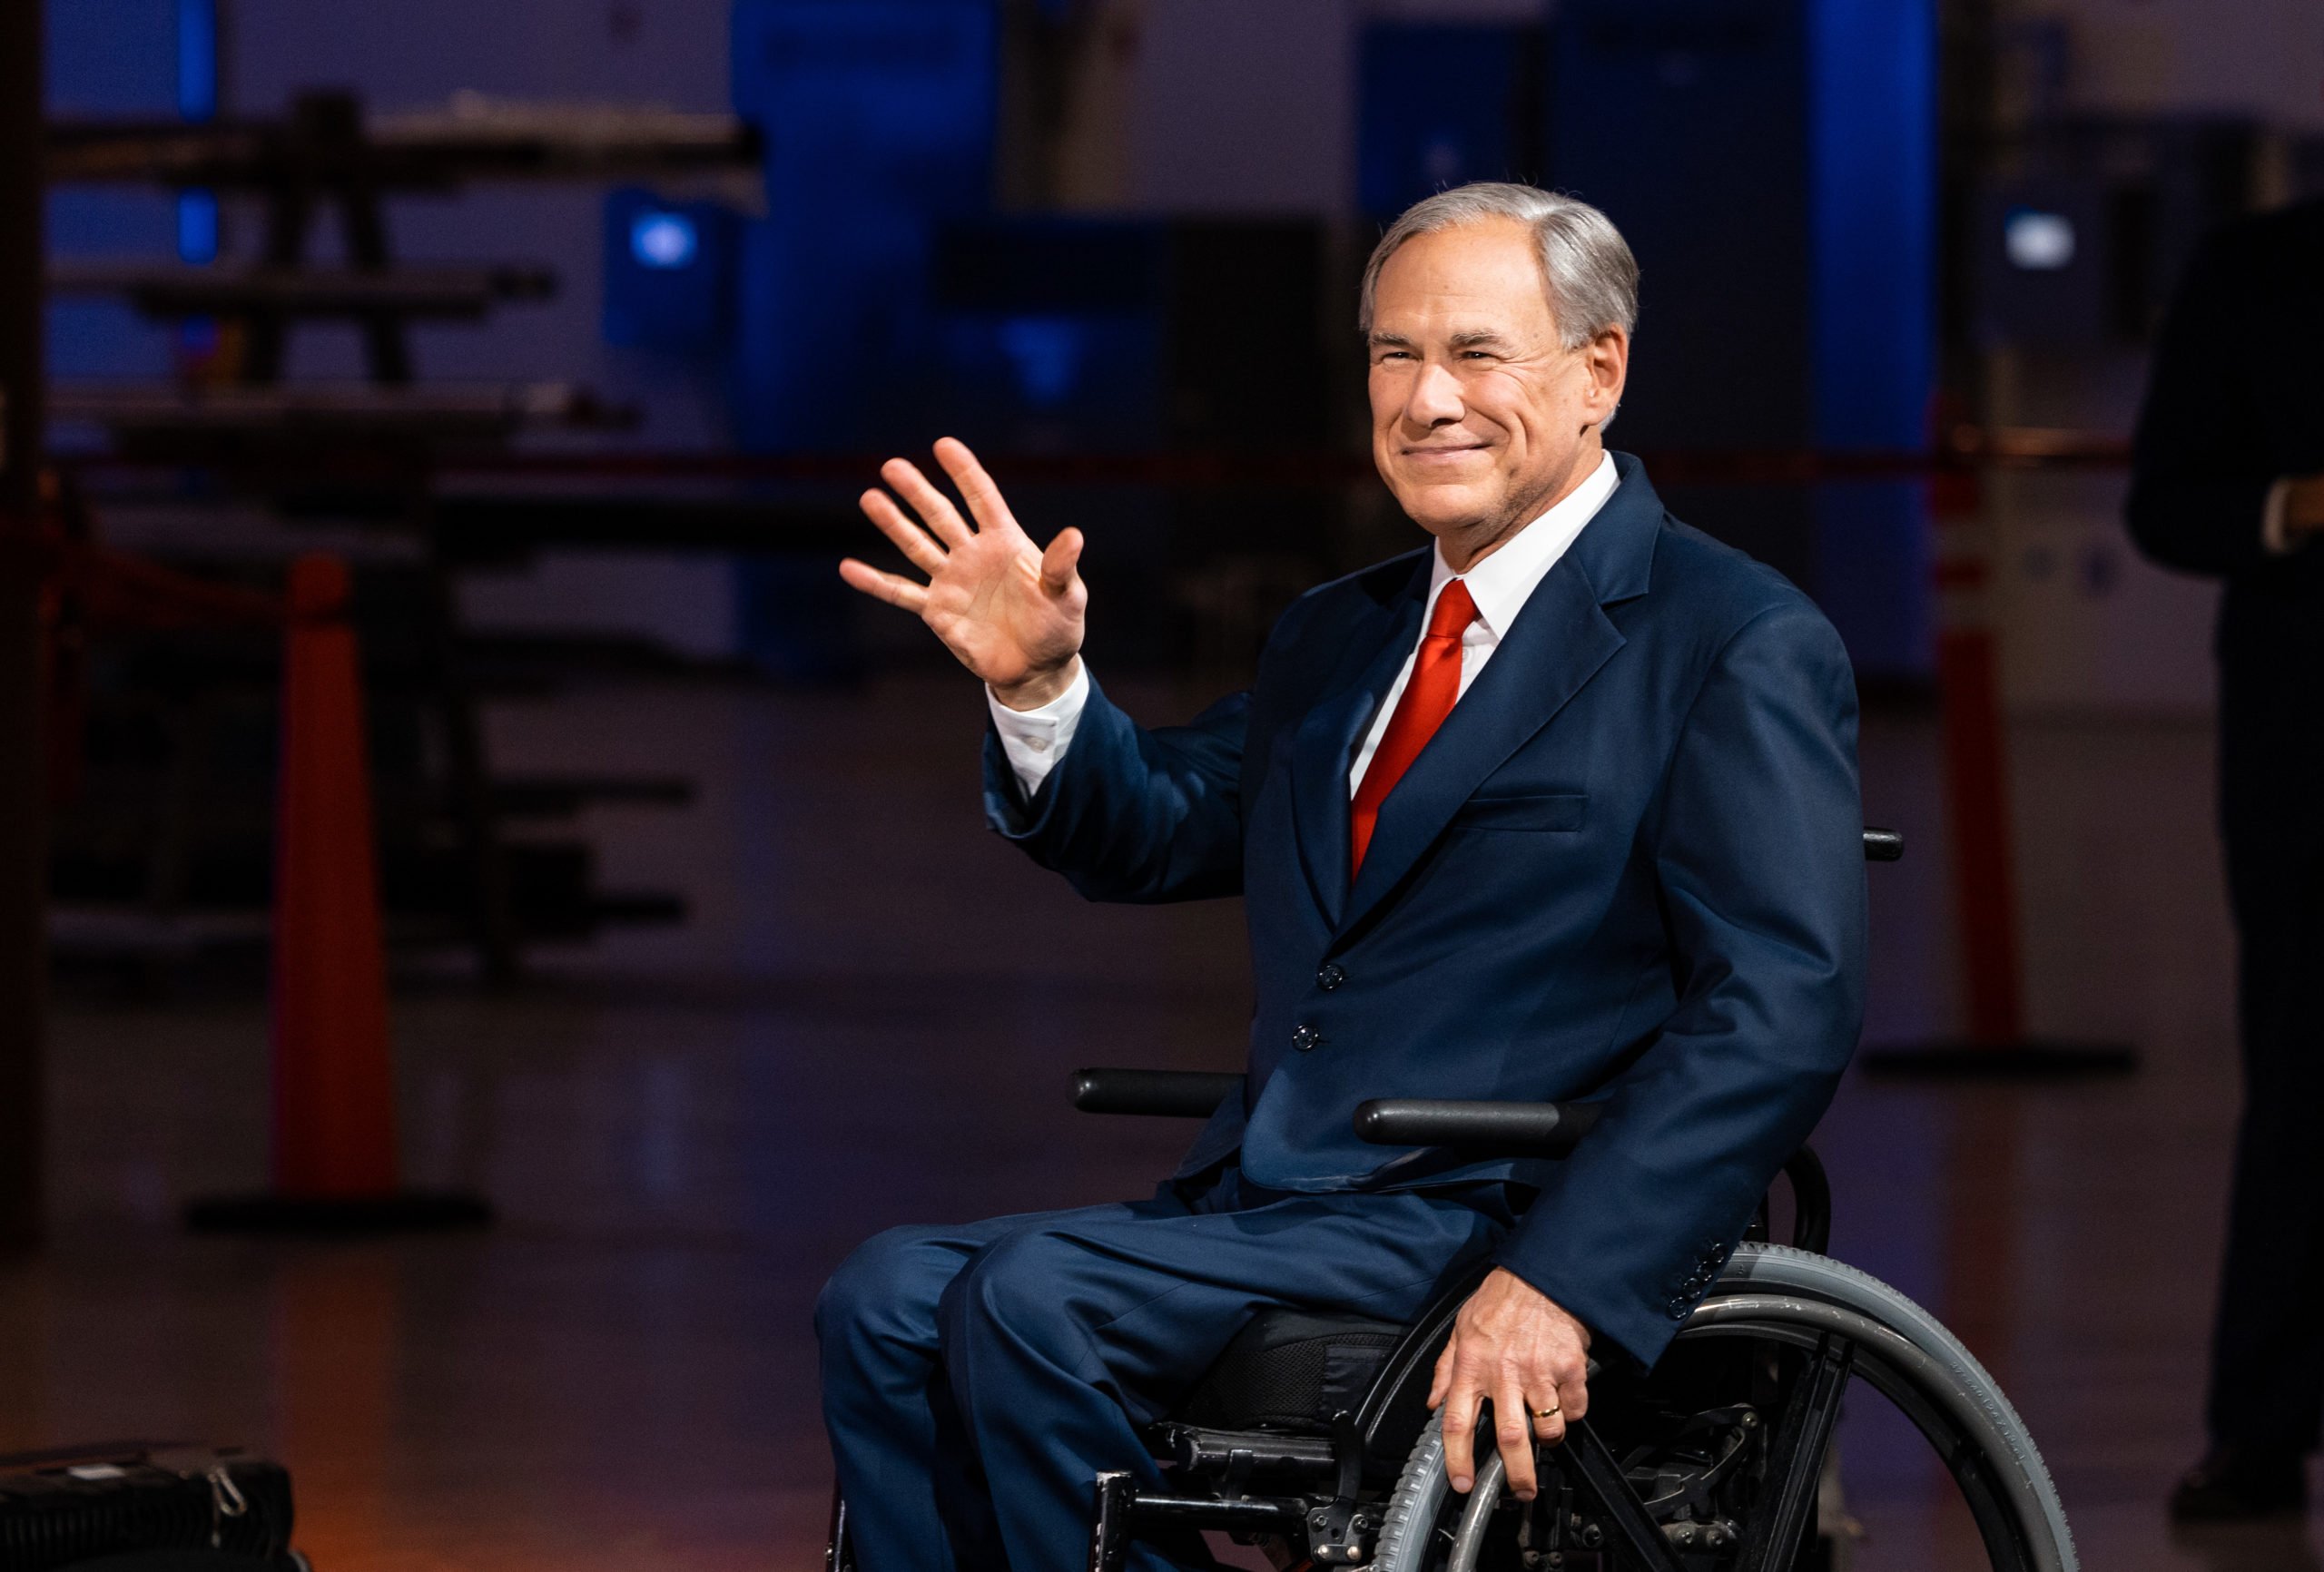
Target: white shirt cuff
x: 2272, y: 519
x: 1035, y: 740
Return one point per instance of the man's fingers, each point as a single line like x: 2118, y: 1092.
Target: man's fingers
x: 1439, y: 1382
x: 1059, y: 562
x: 1549, y: 1429
x: 1513, y: 1434
x: 1573, y: 1397
x: 915, y: 543
x: 1460, y: 1436
x: 884, y: 587
x: 935, y: 509
x: 976, y: 489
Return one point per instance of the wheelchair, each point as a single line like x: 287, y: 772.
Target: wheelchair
x: 1310, y: 1437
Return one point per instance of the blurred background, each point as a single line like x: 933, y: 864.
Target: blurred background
x: 572, y: 327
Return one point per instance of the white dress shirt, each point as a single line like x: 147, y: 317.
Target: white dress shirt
x: 1035, y: 740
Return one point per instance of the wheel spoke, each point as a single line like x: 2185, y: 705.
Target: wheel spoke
x: 1795, y: 1459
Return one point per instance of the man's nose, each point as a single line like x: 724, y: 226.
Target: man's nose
x: 1436, y: 399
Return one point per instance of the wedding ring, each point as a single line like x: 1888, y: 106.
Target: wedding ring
x: 1545, y: 1414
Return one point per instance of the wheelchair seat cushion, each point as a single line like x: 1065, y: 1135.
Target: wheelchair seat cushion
x: 1292, y: 1369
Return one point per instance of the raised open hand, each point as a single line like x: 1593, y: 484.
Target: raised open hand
x: 1010, y: 611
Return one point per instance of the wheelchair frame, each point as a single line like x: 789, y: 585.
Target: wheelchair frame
x: 1339, y: 1528
x: 1318, y: 1485
x: 1310, y: 1490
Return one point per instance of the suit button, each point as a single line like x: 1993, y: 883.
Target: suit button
x: 1305, y: 1038
x: 1329, y: 975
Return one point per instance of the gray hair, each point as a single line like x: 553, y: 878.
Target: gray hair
x: 1586, y: 265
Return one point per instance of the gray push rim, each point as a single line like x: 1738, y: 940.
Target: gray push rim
x: 1772, y: 1290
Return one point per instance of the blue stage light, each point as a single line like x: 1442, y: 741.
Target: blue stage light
x: 1047, y: 353
x: 198, y: 59
x: 197, y: 226
x: 198, y: 221
x: 2038, y: 242
x: 663, y: 240
x: 669, y: 272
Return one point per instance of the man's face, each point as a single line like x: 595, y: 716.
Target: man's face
x: 1480, y: 418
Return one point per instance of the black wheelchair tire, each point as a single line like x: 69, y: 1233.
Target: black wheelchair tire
x: 1775, y: 1292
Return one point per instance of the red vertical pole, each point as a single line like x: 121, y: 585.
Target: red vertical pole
x: 1976, y: 764
x: 1974, y: 740
x: 1977, y: 818
x: 334, y: 1080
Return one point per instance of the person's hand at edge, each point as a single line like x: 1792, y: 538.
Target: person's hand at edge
x: 2303, y: 508
x: 1008, y: 611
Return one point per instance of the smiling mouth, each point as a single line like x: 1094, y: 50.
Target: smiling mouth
x: 1443, y: 452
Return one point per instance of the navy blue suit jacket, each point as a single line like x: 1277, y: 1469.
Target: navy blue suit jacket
x: 1628, y: 866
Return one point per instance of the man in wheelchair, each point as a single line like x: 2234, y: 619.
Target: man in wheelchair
x: 1561, y: 807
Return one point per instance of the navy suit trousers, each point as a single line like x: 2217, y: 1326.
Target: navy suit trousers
x: 976, y: 1379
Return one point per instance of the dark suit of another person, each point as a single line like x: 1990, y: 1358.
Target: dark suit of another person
x: 2235, y: 407
x: 1628, y: 866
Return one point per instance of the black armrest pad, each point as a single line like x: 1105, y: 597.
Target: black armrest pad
x: 1171, y: 1094
x: 1499, y: 1129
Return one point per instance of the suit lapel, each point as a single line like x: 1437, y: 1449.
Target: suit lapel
x: 1554, y: 647
x: 1327, y: 737
x: 1557, y: 642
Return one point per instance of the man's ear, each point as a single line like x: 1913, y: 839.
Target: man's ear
x: 1607, y: 357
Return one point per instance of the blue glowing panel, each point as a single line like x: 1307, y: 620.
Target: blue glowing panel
x: 112, y: 57
x: 669, y: 273
x: 662, y: 240
x: 1443, y: 105
x: 1772, y: 163
x: 197, y: 226
x: 198, y: 59
x: 1873, y: 185
x: 1687, y: 122
x: 1874, y: 173
x: 1046, y: 356
x: 198, y: 216
x: 878, y: 117
x: 1050, y: 332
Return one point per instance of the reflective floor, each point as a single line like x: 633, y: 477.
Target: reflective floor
x: 869, y: 1021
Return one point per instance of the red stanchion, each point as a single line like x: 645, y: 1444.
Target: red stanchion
x: 334, y: 1075
x: 1974, y: 739
x: 1977, y: 818
x: 334, y: 1082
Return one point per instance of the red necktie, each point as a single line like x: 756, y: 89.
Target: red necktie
x: 1427, y: 700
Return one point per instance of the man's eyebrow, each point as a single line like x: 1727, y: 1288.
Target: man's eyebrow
x: 1389, y: 340
x: 1478, y: 338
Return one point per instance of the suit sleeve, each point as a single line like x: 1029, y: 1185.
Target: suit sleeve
x: 2199, y: 473
x: 1130, y: 814
x: 1759, y: 856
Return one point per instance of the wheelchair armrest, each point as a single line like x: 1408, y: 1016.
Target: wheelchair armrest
x: 1169, y: 1094
x: 1883, y: 845
x: 1487, y: 1129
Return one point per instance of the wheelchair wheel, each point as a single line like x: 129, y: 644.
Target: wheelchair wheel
x: 1739, y: 1480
